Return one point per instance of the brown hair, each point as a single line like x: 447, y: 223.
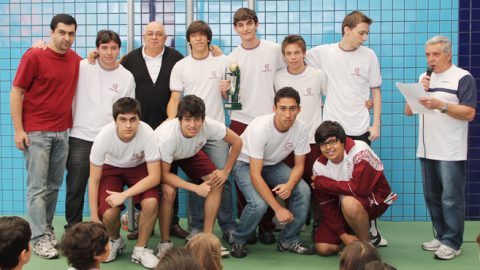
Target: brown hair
x: 353, y: 18
x: 244, y: 14
x: 178, y: 258
x: 357, y: 254
x: 199, y: 27
x: 294, y: 39
x: 207, y: 248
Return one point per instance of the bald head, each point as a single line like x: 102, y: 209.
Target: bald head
x: 154, y: 38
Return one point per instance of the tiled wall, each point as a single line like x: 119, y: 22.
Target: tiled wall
x: 398, y: 34
x: 469, y: 58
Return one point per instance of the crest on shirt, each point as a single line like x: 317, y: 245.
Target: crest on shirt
x: 199, y: 146
x: 137, y: 156
x: 266, y: 68
x: 308, y: 92
x: 356, y: 72
x: 288, y: 147
x: 114, y: 88
x: 214, y: 76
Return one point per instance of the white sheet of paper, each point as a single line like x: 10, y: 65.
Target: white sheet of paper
x: 412, y: 93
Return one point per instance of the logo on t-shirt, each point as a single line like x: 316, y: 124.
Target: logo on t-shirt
x: 199, y: 146
x: 288, y: 147
x: 114, y: 88
x: 308, y: 92
x: 266, y: 68
x: 214, y: 75
x: 137, y: 156
x: 356, y: 72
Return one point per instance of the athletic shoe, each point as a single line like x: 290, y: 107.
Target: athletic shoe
x: 298, y: 247
x: 44, y: 248
x: 224, y: 252
x: 163, y: 247
x: 116, y: 247
x: 266, y: 237
x: 375, y: 236
x: 431, y: 245
x: 446, y: 253
x: 51, y: 235
x: 238, y: 250
x: 145, y: 257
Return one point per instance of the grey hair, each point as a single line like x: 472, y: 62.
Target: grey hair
x: 445, y: 41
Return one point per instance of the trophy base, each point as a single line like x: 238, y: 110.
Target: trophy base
x: 233, y: 106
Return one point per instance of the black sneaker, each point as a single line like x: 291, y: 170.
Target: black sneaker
x: 298, y: 247
x: 266, y: 237
x: 238, y: 250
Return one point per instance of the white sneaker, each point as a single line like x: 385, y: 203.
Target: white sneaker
x: 224, y: 252
x: 145, y: 257
x: 51, y: 235
x: 376, y: 238
x: 431, y: 245
x: 446, y: 253
x: 44, y: 248
x: 163, y: 247
x: 116, y: 247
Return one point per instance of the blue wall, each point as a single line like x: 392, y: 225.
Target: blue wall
x: 398, y: 34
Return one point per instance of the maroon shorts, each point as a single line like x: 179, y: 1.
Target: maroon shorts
x: 115, y: 179
x: 197, y: 166
x: 237, y: 127
x: 324, y: 234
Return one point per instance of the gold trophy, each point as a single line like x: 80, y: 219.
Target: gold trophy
x: 233, y: 74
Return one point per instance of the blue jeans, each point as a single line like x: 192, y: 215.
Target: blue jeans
x: 78, y: 171
x: 444, y: 191
x: 217, y: 151
x: 256, y: 206
x: 46, y: 158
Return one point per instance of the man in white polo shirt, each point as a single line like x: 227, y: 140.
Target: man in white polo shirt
x: 99, y: 86
x: 311, y: 85
x: 124, y: 154
x: 200, y: 74
x: 180, y: 142
x: 353, y: 72
x: 260, y: 171
x: 258, y: 60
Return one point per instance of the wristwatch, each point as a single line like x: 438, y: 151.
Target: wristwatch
x: 444, y: 108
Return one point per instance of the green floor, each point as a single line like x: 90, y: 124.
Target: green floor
x: 403, y: 252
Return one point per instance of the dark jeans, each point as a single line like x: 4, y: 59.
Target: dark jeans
x: 78, y: 171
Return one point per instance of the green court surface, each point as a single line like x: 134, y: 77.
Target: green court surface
x: 403, y: 252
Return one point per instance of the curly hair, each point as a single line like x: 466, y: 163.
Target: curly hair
x: 82, y: 242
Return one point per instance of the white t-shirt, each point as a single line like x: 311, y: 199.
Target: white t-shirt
x: 351, y: 75
x: 108, y: 148
x: 311, y: 84
x: 446, y: 138
x: 174, y: 146
x: 202, y: 79
x: 262, y: 140
x: 97, y: 90
x: 257, y: 74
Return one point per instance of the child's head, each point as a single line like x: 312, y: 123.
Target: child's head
x: 207, y: 248
x: 178, y: 259
x: 358, y: 253
x: 15, y: 237
x: 85, y: 245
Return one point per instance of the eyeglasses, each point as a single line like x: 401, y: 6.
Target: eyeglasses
x: 330, y: 143
x: 152, y: 34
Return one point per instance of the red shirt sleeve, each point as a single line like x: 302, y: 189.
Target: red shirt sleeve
x: 26, y: 70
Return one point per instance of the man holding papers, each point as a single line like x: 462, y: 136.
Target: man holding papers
x: 442, y: 145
